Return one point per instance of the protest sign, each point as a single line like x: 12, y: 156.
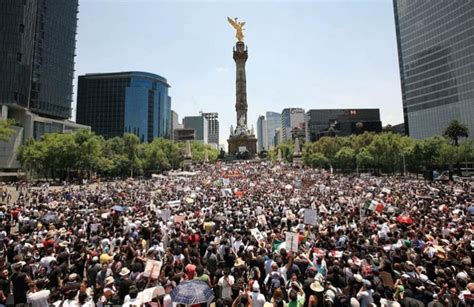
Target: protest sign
x: 291, y: 241
x: 165, y: 214
x: 152, y: 269
x: 310, y: 217
x: 262, y: 220
x: 257, y: 234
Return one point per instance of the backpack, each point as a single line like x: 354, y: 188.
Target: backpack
x: 274, y: 282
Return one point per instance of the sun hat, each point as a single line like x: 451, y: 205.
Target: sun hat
x: 109, y: 280
x: 316, y: 286
x: 124, y: 272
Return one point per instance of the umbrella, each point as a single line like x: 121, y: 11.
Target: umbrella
x: 118, y: 208
x: 49, y: 218
x: 405, y: 220
x: 192, y: 292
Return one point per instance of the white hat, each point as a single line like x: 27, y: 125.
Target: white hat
x: 109, y: 280
x: 358, y: 277
x: 255, y: 286
x: 124, y: 272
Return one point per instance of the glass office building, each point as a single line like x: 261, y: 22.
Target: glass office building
x: 273, y: 120
x: 341, y: 122
x: 37, y: 50
x: 116, y: 103
x: 435, y: 49
x: 291, y: 118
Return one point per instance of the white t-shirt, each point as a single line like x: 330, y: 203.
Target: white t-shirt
x: 258, y: 299
x: 226, y: 286
x: 46, y: 261
x: 167, y: 301
x: 38, y: 299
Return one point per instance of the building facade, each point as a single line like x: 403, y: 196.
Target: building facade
x: 213, y: 127
x: 342, y: 122
x: 273, y: 123
x: 37, y: 50
x: 291, y: 118
x: 435, y: 42
x: 262, y: 136
x: 201, y: 126
x: 184, y: 134
x: 125, y: 102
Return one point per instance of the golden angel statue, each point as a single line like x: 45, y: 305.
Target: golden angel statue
x: 239, y: 28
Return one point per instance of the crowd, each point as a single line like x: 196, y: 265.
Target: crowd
x: 258, y: 235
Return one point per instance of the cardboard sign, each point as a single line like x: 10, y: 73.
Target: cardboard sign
x: 310, y: 217
x: 262, y: 220
x: 174, y: 203
x: 257, y: 234
x: 387, y: 279
x: 152, y: 269
x: 291, y: 241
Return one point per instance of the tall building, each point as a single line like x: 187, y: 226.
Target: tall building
x: 174, y: 123
x: 291, y: 118
x: 37, y: 50
x: 273, y: 123
x: 213, y: 128
x: 262, y: 136
x: 134, y: 102
x: 201, y: 126
x: 342, y: 122
x: 435, y: 42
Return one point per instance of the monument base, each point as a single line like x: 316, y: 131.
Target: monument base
x: 298, y: 161
x: 241, y: 143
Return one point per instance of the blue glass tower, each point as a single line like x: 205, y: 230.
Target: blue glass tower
x: 116, y: 103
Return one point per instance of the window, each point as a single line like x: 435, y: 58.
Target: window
x: 18, y: 57
x: 22, y: 28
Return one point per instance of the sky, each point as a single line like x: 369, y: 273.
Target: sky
x: 308, y: 54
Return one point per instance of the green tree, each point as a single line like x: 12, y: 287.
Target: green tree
x: 344, y: 158
x: 456, y: 130
x: 131, y: 147
x: 364, y: 159
x: 6, y: 130
x: 89, y: 151
x: 286, y: 148
x: 32, y: 156
x: 328, y: 146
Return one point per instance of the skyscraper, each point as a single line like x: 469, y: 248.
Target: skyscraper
x: 435, y: 42
x: 213, y: 128
x: 134, y: 102
x: 37, y: 50
x: 200, y: 124
x: 291, y: 118
x: 273, y: 123
x: 262, y: 136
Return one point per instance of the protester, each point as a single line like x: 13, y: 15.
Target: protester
x: 255, y: 233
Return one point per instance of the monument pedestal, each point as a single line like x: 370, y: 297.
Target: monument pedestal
x: 240, y: 143
x: 298, y: 161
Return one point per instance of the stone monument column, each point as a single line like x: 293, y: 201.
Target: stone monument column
x: 242, y: 141
x: 240, y: 57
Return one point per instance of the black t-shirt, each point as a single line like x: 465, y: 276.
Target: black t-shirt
x: 5, y: 286
x: 19, y: 287
x: 53, y: 277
